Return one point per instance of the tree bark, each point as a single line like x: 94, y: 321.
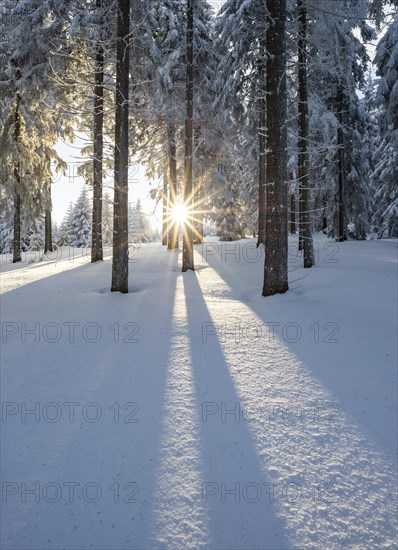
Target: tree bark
x: 262, y: 142
x: 341, y: 167
x: 17, y: 229
x: 173, y: 192
x: 303, y: 135
x: 276, y: 232
x: 292, y: 214
x: 48, y: 239
x: 17, y: 176
x: 165, y: 208
x: 120, y: 219
x: 96, y: 230
x: 324, y: 214
x: 187, y: 252
x: 198, y: 214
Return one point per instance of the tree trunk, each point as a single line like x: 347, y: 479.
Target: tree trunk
x: 187, y: 252
x: 173, y: 226
x: 17, y: 229
x: 198, y: 215
x: 324, y: 214
x: 17, y: 176
x: 262, y: 142
x: 292, y: 214
x: 276, y: 232
x: 301, y: 196
x: 341, y: 160
x: 96, y: 230
x: 120, y: 218
x: 303, y: 135
x: 165, y: 208
x: 48, y: 239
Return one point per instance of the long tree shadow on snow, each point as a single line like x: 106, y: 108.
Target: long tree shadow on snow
x: 115, y: 451
x: 235, y: 489
x: 334, y: 488
x: 323, y: 324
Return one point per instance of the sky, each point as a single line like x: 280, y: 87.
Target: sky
x: 66, y: 188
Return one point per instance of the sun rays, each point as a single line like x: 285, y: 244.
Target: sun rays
x: 188, y: 215
x: 179, y: 213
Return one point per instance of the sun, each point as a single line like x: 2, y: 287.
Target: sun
x: 179, y: 213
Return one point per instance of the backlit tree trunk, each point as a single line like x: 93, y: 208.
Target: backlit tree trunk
x: 341, y: 166
x: 303, y: 134
x: 96, y: 231
x: 173, y: 193
x: 292, y: 214
x: 48, y: 239
x: 187, y: 253
x: 276, y: 231
x: 262, y: 142
x: 17, y: 197
x: 120, y: 218
x: 165, y: 208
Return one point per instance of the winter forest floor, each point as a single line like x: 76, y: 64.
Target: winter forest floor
x: 192, y: 412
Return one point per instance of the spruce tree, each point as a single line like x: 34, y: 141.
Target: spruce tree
x: 276, y: 236
x: 79, y: 229
x: 385, y: 175
x: 187, y: 253
x: 120, y: 209
x: 303, y: 138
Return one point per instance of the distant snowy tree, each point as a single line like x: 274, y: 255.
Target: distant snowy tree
x: 385, y: 175
x: 140, y: 230
x: 134, y: 225
x: 107, y: 220
x: 63, y: 237
x: 55, y: 233
x: 80, y: 222
x: 36, y: 241
x: 229, y: 227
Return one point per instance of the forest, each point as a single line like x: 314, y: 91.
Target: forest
x: 213, y: 364
x: 263, y: 118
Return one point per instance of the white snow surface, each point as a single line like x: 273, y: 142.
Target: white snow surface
x: 203, y: 415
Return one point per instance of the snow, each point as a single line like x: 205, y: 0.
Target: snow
x: 193, y: 412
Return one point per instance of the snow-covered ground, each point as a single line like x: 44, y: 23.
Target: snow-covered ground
x: 192, y: 412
